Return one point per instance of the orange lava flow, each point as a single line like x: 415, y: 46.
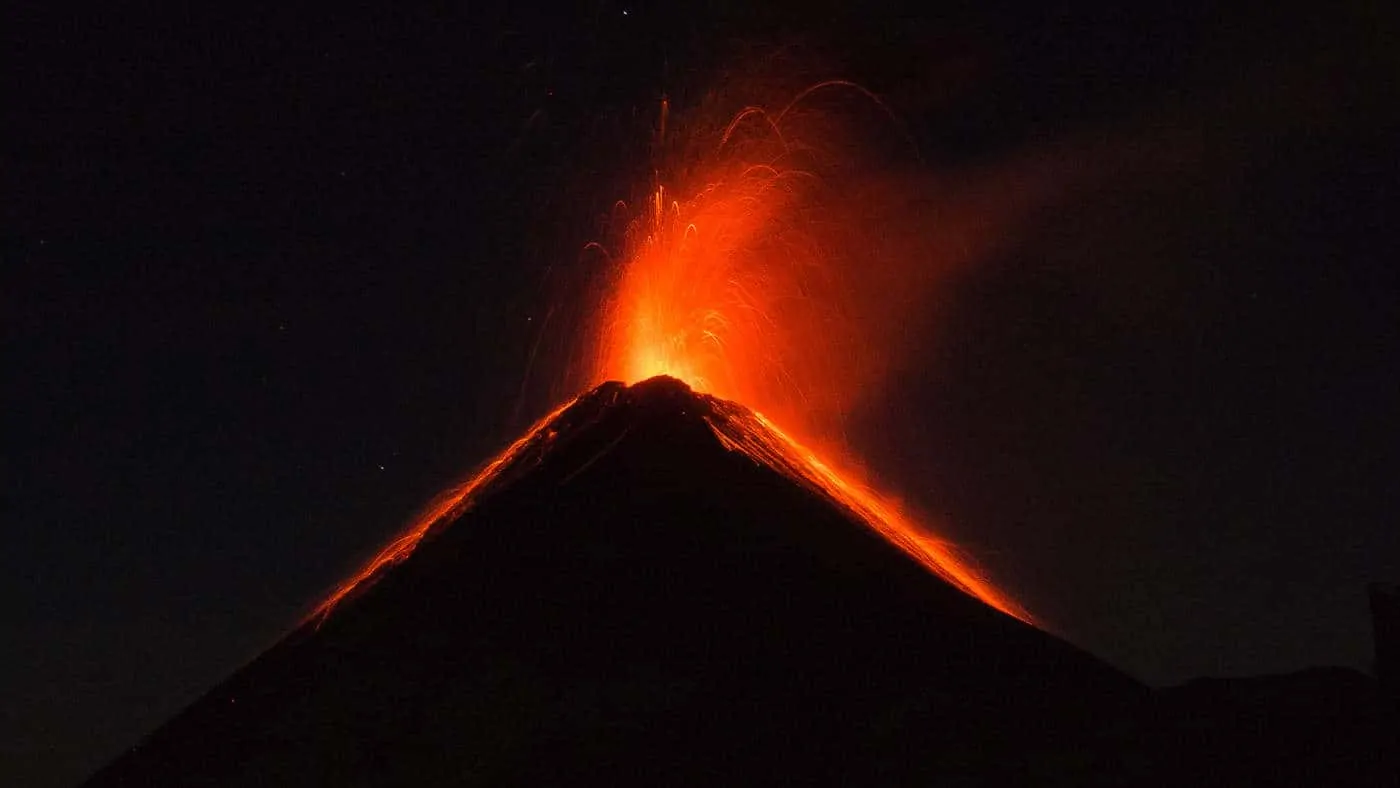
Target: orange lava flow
x: 748, y: 283
x: 688, y: 306
x: 753, y: 435
x: 446, y: 507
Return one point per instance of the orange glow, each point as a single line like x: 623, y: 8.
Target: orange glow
x: 753, y: 435
x: 706, y: 295
x: 758, y: 280
x: 757, y: 284
x: 443, y: 509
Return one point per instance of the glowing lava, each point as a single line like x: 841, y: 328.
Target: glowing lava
x: 748, y: 284
x: 443, y: 509
x: 753, y: 435
x: 726, y: 288
x: 743, y: 290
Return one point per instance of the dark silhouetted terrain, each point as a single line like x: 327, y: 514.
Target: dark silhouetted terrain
x: 631, y: 602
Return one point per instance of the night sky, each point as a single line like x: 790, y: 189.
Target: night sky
x: 270, y: 281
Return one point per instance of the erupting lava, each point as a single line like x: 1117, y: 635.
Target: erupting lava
x: 746, y: 282
x: 738, y: 280
x: 740, y: 290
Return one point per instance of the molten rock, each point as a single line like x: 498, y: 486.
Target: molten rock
x: 628, y: 595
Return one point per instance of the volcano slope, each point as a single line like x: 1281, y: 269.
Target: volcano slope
x: 630, y: 601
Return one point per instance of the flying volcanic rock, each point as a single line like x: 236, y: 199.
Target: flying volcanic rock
x: 625, y: 597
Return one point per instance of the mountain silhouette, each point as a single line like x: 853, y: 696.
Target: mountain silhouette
x: 626, y: 597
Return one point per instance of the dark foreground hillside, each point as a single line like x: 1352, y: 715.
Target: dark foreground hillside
x: 633, y: 603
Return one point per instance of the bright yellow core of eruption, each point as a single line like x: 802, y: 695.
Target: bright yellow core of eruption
x: 678, y: 290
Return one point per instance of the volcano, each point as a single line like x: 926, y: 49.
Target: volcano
x: 643, y: 589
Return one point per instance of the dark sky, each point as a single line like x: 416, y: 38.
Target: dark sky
x: 269, y: 281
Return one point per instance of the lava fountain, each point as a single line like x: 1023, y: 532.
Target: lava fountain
x: 736, y: 276
x: 754, y: 273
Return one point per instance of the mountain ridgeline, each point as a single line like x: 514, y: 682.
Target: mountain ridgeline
x: 628, y: 599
